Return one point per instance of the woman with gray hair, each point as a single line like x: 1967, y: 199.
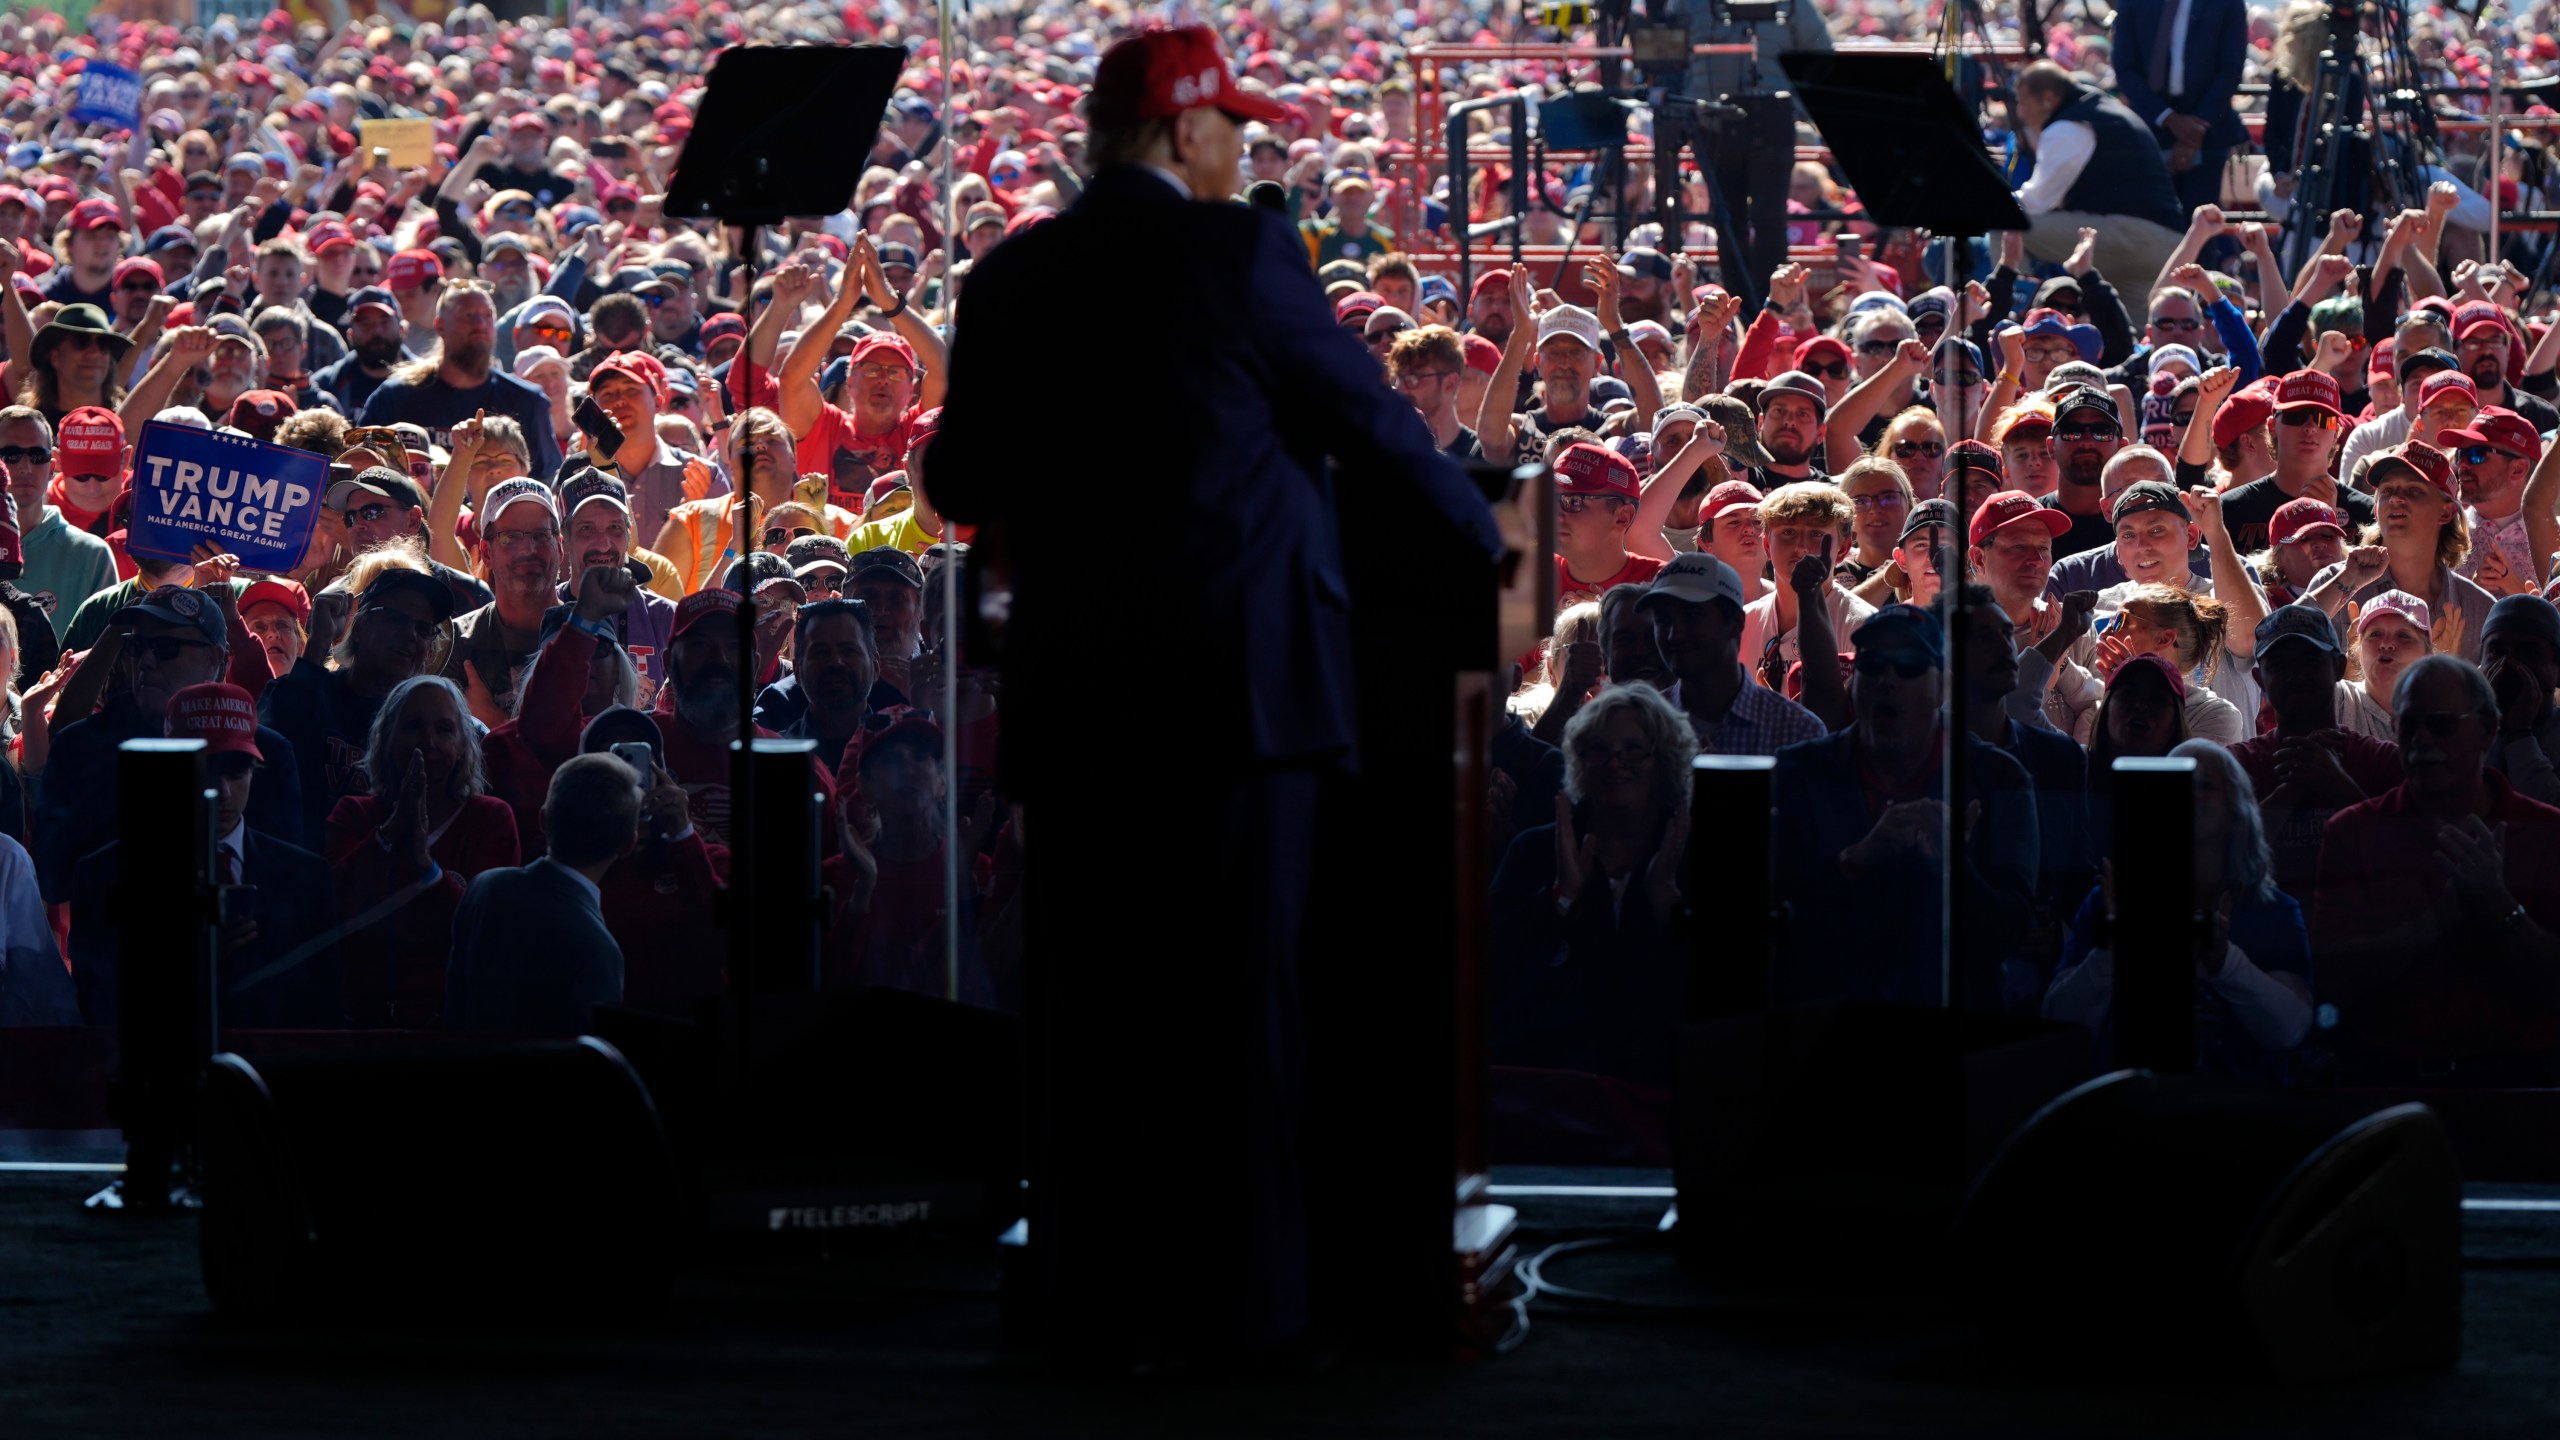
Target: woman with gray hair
x: 2253, y: 961
x: 1588, y: 968
x: 405, y: 853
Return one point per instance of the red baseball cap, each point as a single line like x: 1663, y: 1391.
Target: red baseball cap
x: 2301, y: 519
x: 96, y: 215
x: 413, y: 270
x: 1497, y: 278
x: 91, y: 442
x: 1727, y: 496
x: 1158, y: 74
x: 1818, y: 348
x: 259, y: 412
x: 2419, y: 458
x: 222, y: 716
x: 700, y: 605
x: 2500, y: 429
x: 2307, y: 390
x: 640, y: 369
x: 2177, y: 682
x: 2008, y: 508
x: 137, y: 265
x: 1588, y: 469
x: 878, y: 343
x: 328, y: 237
x: 1363, y: 303
x: 2248, y: 407
x: 1483, y: 356
x: 2443, y: 380
x: 525, y: 120
x: 277, y: 590
x: 2468, y: 320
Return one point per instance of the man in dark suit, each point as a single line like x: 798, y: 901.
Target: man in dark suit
x: 530, y: 948
x: 2177, y: 67
x: 278, y: 963
x: 1164, y: 914
x: 166, y: 640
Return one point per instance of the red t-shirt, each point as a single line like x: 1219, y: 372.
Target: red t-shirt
x: 1639, y: 570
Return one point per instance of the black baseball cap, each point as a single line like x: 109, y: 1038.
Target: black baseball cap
x: 1941, y: 513
x: 2149, y: 495
x: 2086, y: 397
x: 2307, y: 623
x: 888, y: 558
x: 391, y: 584
x: 593, y: 484
x: 379, y: 480
x: 175, y: 605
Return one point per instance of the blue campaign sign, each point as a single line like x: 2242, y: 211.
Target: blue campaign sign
x: 256, y: 500
x: 109, y: 95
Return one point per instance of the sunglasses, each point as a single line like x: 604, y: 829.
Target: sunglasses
x: 1905, y: 449
x: 165, y: 648
x: 2184, y: 327
x: 1930, y: 324
x: 372, y: 514
x: 2184, y: 417
x: 1387, y: 336
x: 2474, y: 455
x: 1576, y: 504
x: 24, y: 454
x: 2087, y: 432
x: 823, y: 584
x: 783, y: 535
x: 1878, y: 347
x: 1836, y: 370
x: 2317, y: 419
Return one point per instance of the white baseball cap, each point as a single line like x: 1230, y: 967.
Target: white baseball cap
x: 1570, y: 320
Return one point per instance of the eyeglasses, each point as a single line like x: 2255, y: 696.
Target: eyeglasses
x: 2088, y: 432
x: 1905, y: 449
x: 1881, y: 500
x: 523, y: 539
x: 2317, y: 419
x: 2184, y: 417
x: 24, y: 454
x: 2184, y: 327
x: 1631, y: 756
x: 165, y: 648
x: 1836, y: 370
x: 784, y: 535
x: 1878, y: 347
x: 1576, y: 504
x: 2437, y: 723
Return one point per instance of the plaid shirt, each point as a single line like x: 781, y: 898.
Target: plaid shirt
x: 1760, y: 722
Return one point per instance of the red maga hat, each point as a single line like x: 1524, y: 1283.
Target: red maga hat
x: 1158, y: 74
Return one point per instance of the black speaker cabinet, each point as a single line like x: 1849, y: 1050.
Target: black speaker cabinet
x: 492, y: 1180
x: 2171, y: 1225
x: 1832, y: 1144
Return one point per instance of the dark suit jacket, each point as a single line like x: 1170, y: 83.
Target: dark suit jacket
x: 296, y: 904
x: 2217, y: 44
x: 531, y: 953
x: 1181, y: 354
x: 75, y: 809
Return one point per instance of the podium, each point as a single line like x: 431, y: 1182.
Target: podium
x: 1408, y: 1246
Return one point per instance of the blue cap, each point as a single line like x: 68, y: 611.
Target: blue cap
x: 372, y: 295
x: 574, y: 218
x: 1902, y: 632
x: 1438, y: 287
x: 169, y: 237
x: 913, y: 107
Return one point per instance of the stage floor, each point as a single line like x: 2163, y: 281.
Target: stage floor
x: 104, y: 1328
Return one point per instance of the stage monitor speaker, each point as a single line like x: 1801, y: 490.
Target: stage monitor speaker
x: 1832, y: 1145
x: 504, y: 1180
x: 2172, y: 1226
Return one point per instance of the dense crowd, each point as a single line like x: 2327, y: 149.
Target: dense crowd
x: 470, y: 752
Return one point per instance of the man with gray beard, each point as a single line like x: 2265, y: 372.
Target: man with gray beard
x: 702, y: 666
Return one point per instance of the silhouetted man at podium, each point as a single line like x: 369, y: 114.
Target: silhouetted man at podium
x: 1168, y: 845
